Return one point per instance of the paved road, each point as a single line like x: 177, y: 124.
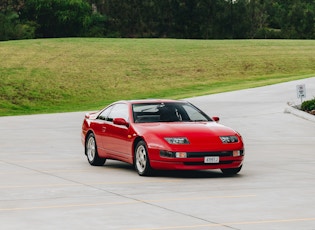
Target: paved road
x: 46, y: 182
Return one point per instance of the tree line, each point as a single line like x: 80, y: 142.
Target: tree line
x: 193, y: 19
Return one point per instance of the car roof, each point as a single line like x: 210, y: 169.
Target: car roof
x: 139, y: 101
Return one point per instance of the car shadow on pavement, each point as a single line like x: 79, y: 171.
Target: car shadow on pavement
x: 191, y: 174
x: 170, y: 173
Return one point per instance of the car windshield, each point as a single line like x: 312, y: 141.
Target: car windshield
x: 167, y: 112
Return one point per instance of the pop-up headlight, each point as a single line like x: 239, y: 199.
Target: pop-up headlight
x: 229, y: 139
x: 177, y: 140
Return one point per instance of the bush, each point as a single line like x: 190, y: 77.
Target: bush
x: 8, y: 20
x: 11, y: 27
x: 308, y: 105
x: 95, y: 26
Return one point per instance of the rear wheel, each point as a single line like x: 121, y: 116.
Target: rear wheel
x: 231, y: 171
x: 142, y: 162
x: 91, y: 151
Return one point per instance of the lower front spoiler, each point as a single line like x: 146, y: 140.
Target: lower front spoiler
x: 174, y: 165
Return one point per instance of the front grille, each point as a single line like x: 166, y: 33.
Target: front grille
x: 169, y: 154
x: 202, y: 163
x: 205, y: 154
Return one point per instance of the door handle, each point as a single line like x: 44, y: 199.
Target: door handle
x: 103, y: 129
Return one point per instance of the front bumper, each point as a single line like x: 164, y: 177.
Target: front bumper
x: 196, y: 163
x: 165, y: 160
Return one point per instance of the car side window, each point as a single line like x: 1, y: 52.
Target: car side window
x: 119, y: 111
x: 105, y: 113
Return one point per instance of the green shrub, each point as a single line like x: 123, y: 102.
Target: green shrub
x: 11, y: 28
x: 308, y: 105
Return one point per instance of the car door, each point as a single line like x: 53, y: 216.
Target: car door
x: 99, y: 126
x: 115, y: 138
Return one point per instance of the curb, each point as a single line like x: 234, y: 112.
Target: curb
x: 299, y: 113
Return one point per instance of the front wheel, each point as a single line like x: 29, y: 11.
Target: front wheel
x: 142, y: 162
x: 231, y: 171
x: 91, y: 151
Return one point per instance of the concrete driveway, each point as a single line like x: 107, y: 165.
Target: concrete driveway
x: 47, y: 183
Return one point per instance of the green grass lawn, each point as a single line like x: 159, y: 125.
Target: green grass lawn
x: 80, y: 74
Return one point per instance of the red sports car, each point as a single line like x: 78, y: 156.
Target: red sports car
x: 161, y: 135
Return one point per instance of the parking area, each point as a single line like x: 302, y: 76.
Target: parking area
x: 47, y: 183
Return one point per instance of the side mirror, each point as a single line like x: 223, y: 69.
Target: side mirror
x: 120, y: 121
x: 216, y: 119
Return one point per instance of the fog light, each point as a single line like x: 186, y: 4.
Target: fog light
x: 236, y: 153
x: 164, y: 153
x: 181, y: 154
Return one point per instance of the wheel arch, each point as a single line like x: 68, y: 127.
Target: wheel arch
x: 135, y: 142
x: 85, y: 139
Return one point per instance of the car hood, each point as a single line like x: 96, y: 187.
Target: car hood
x: 199, y: 133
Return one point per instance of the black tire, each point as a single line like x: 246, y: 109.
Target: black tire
x: 91, y: 151
x: 141, y: 159
x: 231, y: 171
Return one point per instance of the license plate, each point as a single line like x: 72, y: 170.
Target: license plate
x: 211, y: 160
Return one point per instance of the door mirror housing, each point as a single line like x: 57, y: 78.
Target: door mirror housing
x: 120, y: 121
x: 216, y: 119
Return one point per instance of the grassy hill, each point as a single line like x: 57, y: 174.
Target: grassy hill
x: 80, y: 74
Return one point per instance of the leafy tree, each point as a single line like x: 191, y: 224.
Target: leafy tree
x: 11, y: 5
x: 96, y: 26
x: 200, y: 19
x: 10, y: 25
x: 7, y: 23
x: 58, y: 18
x: 292, y: 18
x: 299, y: 22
